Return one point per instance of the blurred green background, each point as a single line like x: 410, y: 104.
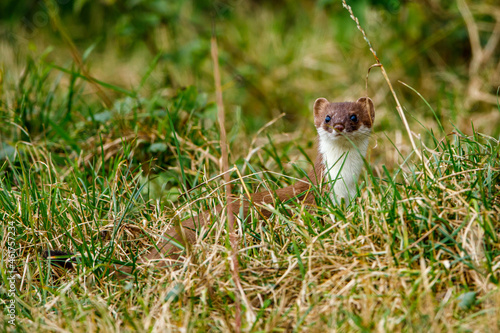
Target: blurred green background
x: 276, y: 56
x: 153, y: 71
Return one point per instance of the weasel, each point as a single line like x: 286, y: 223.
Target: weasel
x: 343, y: 135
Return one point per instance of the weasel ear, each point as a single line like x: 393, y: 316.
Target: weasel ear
x: 319, y: 105
x: 367, y: 103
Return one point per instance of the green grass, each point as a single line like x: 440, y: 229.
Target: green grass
x: 418, y: 250
x: 401, y: 258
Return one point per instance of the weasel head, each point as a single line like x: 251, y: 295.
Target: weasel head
x: 344, y: 122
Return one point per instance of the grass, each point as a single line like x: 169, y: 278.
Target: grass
x: 417, y: 251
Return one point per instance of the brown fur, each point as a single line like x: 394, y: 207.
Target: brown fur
x: 340, y: 115
x: 167, y: 249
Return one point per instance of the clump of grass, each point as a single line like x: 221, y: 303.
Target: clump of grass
x: 417, y: 250
x: 412, y: 252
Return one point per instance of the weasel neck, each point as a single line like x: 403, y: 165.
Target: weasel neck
x: 342, y: 160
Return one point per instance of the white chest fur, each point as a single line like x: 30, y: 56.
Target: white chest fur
x: 343, y: 160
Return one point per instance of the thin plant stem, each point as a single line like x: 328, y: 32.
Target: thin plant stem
x: 225, y: 166
x: 386, y: 77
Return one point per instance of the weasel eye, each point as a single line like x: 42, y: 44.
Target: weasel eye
x: 327, y: 119
x: 354, y: 118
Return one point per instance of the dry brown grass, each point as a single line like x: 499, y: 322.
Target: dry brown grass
x: 417, y: 251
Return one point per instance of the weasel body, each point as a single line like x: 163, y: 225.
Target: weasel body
x: 343, y: 142
x: 343, y: 135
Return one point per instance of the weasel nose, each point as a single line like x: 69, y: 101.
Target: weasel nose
x: 338, y: 127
